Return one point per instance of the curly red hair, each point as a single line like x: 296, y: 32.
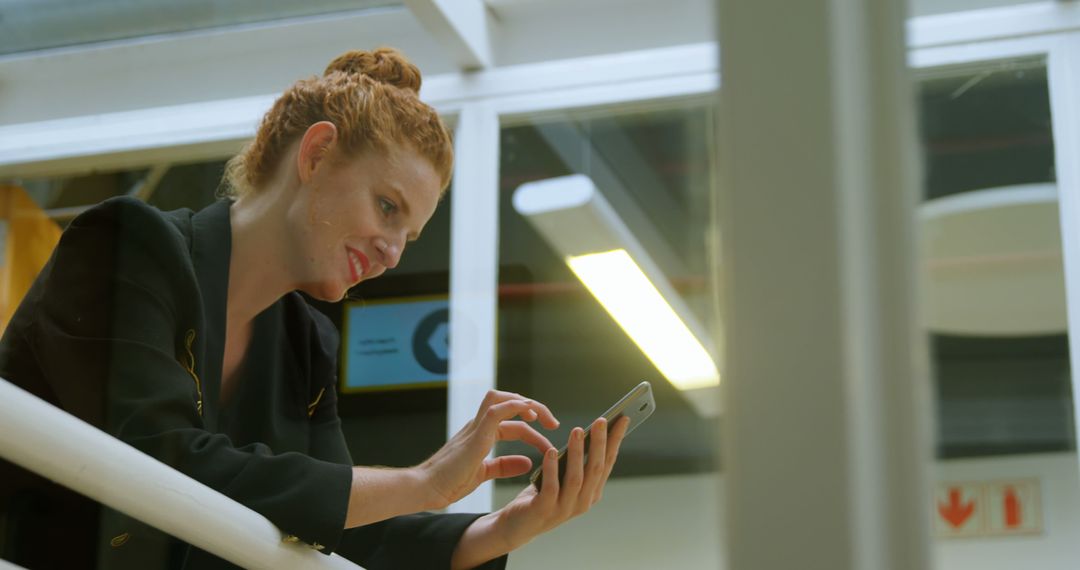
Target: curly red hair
x: 373, y: 100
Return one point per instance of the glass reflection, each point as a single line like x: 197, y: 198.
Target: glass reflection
x: 996, y: 298
x: 655, y: 166
x: 556, y: 342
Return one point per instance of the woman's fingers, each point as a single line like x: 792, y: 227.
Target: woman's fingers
x: 547, y: 419
x: 494, y: 397
x: 562, y: 496
x: 618, y: 432
x: 496, y: 414
x: 549, y: 487
x: 574, y: 476
x: 506, y: 466
x: 517, y: 430
x: 594, y: 468
x: 462, y: 463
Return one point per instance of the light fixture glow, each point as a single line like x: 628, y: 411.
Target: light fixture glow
x: 624, y: 290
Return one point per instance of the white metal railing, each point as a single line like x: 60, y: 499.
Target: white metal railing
x: 57, y: 445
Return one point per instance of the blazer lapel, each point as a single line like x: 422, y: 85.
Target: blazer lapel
x: 211, y: 249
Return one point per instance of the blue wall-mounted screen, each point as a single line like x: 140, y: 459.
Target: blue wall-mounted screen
x: 396, y: 343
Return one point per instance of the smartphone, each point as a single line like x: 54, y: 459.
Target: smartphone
x: 637, y: 404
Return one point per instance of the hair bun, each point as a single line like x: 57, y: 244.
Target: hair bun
x: 385, y: 65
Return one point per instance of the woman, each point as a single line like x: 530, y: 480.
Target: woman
x: 182, y: 334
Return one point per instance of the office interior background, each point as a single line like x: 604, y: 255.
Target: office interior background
x: 114, y: 97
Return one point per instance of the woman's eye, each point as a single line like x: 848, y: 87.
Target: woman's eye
x: 387, y: 206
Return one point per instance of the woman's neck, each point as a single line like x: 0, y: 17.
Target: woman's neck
x: 259, y: 274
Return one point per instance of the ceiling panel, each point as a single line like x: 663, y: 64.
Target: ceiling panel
x: 30, y: 25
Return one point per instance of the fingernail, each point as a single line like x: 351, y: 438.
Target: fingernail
x: 551, y: 453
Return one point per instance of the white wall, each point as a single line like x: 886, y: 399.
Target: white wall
x: 674, y: 522
x: 1056, y: 548
x: 642, y: 522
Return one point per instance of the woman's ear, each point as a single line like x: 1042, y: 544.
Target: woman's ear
x: 314, y: 148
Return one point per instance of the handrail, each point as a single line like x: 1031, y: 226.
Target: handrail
x: 57, y: 445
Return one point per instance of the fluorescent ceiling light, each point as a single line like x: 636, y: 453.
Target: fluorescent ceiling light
x: 632, y: 300
x: 580, y: 224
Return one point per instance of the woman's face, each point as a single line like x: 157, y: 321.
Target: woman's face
x: 355, y: 216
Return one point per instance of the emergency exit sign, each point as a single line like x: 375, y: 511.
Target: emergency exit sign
x: 989, y: 508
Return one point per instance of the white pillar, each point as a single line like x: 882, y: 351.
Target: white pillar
x: 474, y: 275
x: 1063, y: 71
x: 825, y: 438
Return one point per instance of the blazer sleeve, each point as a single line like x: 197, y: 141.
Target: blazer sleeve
x: 421, y: 540
x: 109, y: 308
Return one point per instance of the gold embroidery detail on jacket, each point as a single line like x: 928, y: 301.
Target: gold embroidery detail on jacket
x: 311, y: 406
x: 119, y: 540
x: 189, y: 365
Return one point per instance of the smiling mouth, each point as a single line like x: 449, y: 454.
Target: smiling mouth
x: 358, y: 264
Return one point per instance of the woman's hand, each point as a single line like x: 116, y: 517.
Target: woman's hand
x: 462, y: 464
x: 535, y: 512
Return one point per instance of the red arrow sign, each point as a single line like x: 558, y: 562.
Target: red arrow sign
x: 955, y: 512
x: 1012, y: 508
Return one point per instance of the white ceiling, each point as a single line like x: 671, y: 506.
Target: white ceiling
x: 259, y: 59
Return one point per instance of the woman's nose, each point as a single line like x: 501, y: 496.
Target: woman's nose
x: 390, y: 253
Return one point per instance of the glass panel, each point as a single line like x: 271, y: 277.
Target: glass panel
x: 989, y: 166
x: 181, y: 186
x: 995, y: 308
x: 655, y: 166
x: 27, y: 25
x: 986, y: 128
x: 395, y: 426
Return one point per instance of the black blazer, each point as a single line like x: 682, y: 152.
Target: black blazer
x: 125, y: 328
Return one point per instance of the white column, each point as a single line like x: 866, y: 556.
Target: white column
x: 1063, y: 76
x: 474, y: 275
x: 825, y: 438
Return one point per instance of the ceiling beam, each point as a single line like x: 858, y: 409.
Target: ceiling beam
x: 462, y: 26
